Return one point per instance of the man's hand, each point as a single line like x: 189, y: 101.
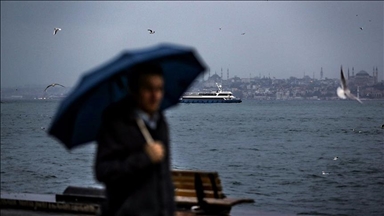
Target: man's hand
x: 155, y: 151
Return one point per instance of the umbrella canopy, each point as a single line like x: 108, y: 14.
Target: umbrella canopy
x: 79, y: 115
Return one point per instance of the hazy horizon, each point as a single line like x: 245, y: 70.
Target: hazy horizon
x: 281, y: 39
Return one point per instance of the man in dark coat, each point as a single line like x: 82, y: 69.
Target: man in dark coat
x: 136, y: 174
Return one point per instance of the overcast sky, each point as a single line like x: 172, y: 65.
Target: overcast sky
x: 282, y: 39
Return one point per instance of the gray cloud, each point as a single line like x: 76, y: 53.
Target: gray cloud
x: 281, y: 38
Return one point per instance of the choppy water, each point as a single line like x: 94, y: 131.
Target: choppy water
x: 271, y: 151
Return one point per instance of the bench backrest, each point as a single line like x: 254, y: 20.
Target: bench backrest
x: 191, y: 183
x: 197, y: 184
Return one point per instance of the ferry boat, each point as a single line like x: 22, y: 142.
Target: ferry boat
x: 218, y: 96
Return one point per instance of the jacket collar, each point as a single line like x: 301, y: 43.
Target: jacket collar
x: 151, y: 122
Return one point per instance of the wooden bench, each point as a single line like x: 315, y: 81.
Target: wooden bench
x: 198, y: 190
x: 202, y: 189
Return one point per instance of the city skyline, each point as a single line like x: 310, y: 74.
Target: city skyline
x: 231, y: 76
x: 320, y: 74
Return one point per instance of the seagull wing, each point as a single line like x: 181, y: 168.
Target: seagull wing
x: 350, y: 95
x: 59, y: 85
x: 342, y: 79
x: 48, y: 87
x: 55, y: 30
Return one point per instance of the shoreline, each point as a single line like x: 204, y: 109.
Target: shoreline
x: 15, y: 204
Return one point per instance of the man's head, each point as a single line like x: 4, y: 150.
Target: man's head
x: 147, y: 86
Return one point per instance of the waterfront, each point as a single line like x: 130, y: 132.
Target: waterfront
x: 271, y: 151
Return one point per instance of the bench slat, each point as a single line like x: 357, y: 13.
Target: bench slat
x: 192, y: 173
x: 192, y: 193
x: 211, y: 201
x: 189, y: 185
x: 192, y: 179
x: 89, y: 191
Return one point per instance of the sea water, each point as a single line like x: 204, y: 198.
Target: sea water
x: 279, y: 153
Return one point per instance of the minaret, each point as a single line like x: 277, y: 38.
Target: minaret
x: 227, y: 74
x: 221, y: 73
x: 348, y: 73
x: 321, y: 74
x: 377, y: 75
x: 353, y: 71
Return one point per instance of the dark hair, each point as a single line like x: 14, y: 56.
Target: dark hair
x: 140, y: 71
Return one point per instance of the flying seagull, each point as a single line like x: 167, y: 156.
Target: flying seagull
x: 151, y: 31
x: 55, y: 30
x: 361, y: 28
x: 53, y: 85
x: 243, y: 33
x: 343, y: 92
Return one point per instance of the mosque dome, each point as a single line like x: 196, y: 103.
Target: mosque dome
x: 362, y: 73
x: 215, y: 77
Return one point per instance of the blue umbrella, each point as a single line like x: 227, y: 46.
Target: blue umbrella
x: 79, y: 115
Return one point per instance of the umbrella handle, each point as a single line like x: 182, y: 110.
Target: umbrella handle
x: 147, y: 136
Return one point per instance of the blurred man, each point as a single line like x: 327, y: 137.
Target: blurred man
x: 136, y: 174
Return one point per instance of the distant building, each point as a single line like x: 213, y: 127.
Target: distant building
x: 211, y: 82
x: 362, y: 78
x: 235, y: 79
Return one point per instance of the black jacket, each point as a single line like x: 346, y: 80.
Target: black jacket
x: 134, y: 185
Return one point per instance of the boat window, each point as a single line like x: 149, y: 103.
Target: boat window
x: 207, y: 94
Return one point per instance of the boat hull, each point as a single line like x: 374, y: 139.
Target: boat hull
x: 209, y: 101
